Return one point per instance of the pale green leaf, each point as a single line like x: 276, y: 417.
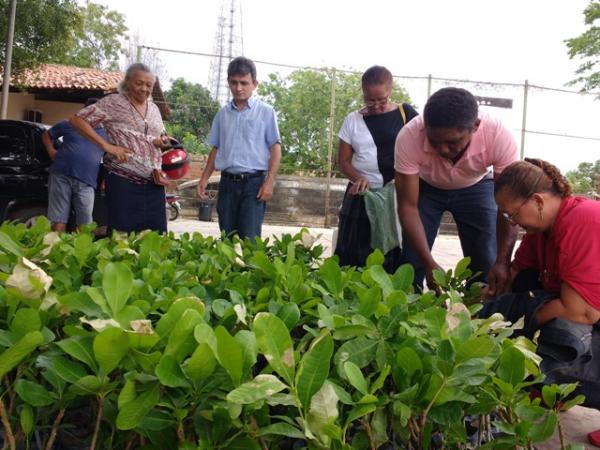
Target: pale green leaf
x: 110, y: 347
x: 274, y: 341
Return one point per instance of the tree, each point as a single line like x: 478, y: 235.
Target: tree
x: 192, y: 113
x: 587, y: 47
x: 44, y: 31
x: 586, y: 178
x: 99, y: 40
x: 61, y: 31
x: 303, y: 105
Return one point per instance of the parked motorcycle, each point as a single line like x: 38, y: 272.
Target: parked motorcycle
x: 172, y: 206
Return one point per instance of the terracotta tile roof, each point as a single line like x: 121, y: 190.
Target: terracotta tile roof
x: 56, y: 76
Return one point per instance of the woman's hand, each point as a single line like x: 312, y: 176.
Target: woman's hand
x: 163, y: 142
x: 121, y: 154
x: 359, y: 185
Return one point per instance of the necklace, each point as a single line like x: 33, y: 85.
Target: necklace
x: 143, y: 117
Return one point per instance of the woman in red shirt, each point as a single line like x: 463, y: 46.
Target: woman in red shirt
x: 562, y: 247
x: 562, y: 242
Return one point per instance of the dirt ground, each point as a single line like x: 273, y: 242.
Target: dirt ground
x: 577, y: 422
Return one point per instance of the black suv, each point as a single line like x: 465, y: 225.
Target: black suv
x: 24, y: 173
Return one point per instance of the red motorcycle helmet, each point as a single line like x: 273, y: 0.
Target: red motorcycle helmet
x: 175, y: 162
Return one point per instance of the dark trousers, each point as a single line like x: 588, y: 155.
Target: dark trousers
x: 569, y: 350
x: 238, y: 208
x: 134, y: 207
x: 474, y: 211
x: 353, y: 245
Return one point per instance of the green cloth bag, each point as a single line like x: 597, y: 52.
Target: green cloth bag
x: 380, y: 205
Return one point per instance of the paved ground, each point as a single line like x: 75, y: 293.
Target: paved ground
x: 577, y: 422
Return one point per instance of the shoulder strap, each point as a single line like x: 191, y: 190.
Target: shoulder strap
x: 402, y: 113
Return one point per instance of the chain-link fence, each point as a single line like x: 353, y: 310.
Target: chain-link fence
x: 556, y: 124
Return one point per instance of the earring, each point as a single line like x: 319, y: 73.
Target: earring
x: 541, y: 213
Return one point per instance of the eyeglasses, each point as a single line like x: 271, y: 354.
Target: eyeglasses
x: 370, y: 103
x: 511, y: 217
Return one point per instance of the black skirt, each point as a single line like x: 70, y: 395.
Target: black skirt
x: 354, y: 235
x: 134, y: 207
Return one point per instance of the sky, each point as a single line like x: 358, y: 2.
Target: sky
x: 484, y: 40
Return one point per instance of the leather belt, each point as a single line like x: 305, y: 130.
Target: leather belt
x: 242, y: 176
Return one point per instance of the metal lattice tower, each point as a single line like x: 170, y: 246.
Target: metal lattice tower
x: 228, y: 44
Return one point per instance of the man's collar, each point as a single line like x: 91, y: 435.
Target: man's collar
x: 251, y: 102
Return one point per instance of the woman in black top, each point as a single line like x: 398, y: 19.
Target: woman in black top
x: 366, y: 157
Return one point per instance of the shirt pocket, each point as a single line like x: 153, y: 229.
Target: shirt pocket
x: 251, y: 129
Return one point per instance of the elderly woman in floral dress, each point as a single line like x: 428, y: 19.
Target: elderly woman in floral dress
x: 135, y: 190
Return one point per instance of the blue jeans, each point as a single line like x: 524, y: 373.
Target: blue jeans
x: 474, y: 211
x: 65, y: 193
x: 238, y: 208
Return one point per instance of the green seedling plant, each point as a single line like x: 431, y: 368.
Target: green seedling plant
x: 150, y: 341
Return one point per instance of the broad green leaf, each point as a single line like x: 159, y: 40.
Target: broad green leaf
x: 149, y: 245
x: 247, y: 340
x: 9, y: 245
x: 90, y: 385
x: 27, y: 419
x: 12, y: 356
x: 229, y: 354
x: 281, y: 429
x: 511, y: 367
x: 68, y: 370
x: 181, y: 340
x: 541, y: 431
x: 475, y: 347
x: 390, y: 324
x: 110, y: 347
x: 369, y: 300
x: 204, y: 334
x: 403, y: 278
x: 201, y: 364
x: 128, y: 314
x: 314, y: 368
x: 83, y: 244
x: 274, y: 341
x: 462, y: 266
x: 97, y: 298
x: 380, y: 380
x: 132, y: 413
x: 117, y: 283
x: 361, y: 351
x: 376, y: 258
x: 34, y: 394
x: 454, y: 394
x: 382, y: 278
x: 169, y: 372
x: 158, y: 420
x: 358, y: 412
x: 261, y: 387
x: 127, y: 394
x: 24, y: 321
x: 323, y: 412
x: 331, y: 275
x: 169, y: 321
x: 289, y: 313
x: 356, y: 378
x: 440, y: 278
x: 80, y: 348
x: 147, y: 361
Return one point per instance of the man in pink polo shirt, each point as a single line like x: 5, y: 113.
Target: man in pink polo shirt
x: 442, y: 163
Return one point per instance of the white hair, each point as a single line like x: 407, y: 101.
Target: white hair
x: 123, y: 87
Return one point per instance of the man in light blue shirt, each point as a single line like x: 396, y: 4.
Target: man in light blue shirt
x: 246, y: 148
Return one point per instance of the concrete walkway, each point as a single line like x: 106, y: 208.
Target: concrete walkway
x: 577, y: 422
